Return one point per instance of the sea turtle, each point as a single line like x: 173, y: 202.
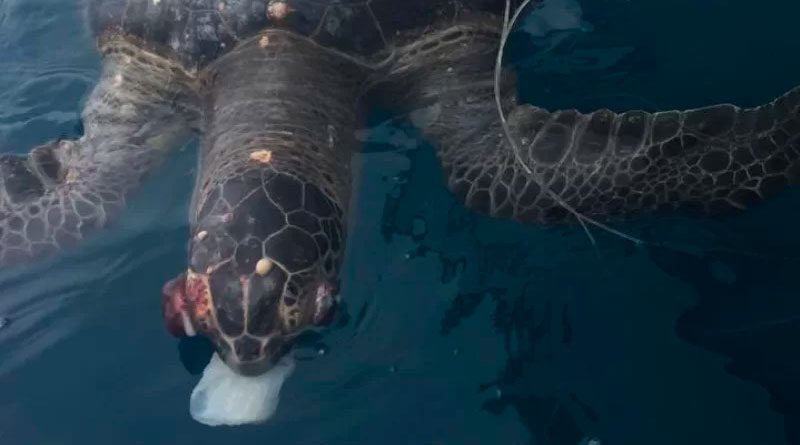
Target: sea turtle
x: 276, y: 89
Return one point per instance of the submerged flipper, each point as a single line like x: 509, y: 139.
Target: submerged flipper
x: 602, y: 164
x: 63, y: 190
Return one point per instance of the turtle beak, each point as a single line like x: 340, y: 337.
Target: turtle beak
x: 173, y: 305
x: 271, y: 354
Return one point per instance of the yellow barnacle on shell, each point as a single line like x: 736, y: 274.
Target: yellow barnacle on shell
x: 261, y: 156
x: 263, y: 266
x: 277, y: 9
x: 71, y: 177
x: 263, y: 41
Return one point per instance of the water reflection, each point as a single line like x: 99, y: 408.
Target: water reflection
x: 590, y: 336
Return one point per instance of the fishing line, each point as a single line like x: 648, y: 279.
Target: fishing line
x: 508, y: 25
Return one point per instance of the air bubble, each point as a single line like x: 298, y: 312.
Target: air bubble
x: 331, y: 136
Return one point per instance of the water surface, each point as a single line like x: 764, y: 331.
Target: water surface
x: 459, y: 329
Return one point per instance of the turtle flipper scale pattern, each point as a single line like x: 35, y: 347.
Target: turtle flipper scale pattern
x: 64, y: 190
x: 714, y: 159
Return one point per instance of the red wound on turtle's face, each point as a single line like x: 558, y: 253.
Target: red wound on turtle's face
x: 325, y: 304
x: 173, y: 299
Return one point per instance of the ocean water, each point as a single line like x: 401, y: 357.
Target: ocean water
x: 457, y: 329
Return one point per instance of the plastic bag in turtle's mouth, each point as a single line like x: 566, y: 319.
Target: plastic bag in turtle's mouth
x: 223, y: 397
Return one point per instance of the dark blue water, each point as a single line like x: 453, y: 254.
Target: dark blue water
x: 458, y: 329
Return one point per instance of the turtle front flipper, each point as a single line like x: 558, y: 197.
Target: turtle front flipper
x: 63, y: 190
x: 713, y: 159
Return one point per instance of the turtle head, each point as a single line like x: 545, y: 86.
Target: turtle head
x: 263, y: 268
